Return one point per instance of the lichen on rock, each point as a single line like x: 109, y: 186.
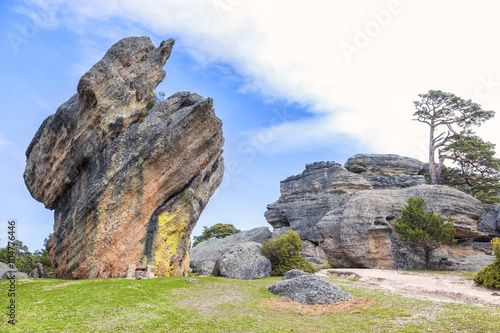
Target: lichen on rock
x: 127, y: 186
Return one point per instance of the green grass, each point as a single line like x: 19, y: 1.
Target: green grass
x: 218, y: 305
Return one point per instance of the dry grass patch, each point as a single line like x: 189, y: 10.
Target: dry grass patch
x: 207, y: 297
x: 320, y: 309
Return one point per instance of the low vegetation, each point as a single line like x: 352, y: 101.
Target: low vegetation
x: 284, y: 254
x: 490, y: 275
x: 215, y: 304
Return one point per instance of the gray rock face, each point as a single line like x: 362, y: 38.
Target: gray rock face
x: 359, y: 232
x: 308, y: 289
x: 205, y: 268
x: 212, y: 249
x: 490, y: 221
x: 39, y: 272
x: 294, y: 273
x: 127, y: 182
x: 307, y: 197
x: 387, y: 170
x: 7, y: 273
x: 243, y: 261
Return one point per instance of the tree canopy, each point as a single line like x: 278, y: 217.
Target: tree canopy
x: 218, y: 230
x: 475, y: 169
x: 449, y: 118
x: 478, y: 172
x: 423, y: 229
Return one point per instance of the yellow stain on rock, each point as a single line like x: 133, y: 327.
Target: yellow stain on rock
x: 170, y: 232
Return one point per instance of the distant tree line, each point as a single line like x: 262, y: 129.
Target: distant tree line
x: 24, y: 260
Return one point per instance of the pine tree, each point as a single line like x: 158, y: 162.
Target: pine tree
x: 423, y: 229
x: 449, y: 118
x: 218, y: 230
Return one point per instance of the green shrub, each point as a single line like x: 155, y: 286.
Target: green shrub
x: 490, y: 275
x: 424, y: 229
x: 284, y: 254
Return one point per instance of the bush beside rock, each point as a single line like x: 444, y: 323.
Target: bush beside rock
x: 490, y: 275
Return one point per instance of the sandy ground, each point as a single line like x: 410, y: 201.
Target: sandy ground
x: 428, y: 286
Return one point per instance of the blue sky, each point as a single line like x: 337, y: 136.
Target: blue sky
x: 294, y: 82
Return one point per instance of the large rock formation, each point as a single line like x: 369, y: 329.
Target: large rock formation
x: 127, y: 180
x: 206, y: 255
x: 346, y: 214
x: 307, y: 197
x: 360, y: 233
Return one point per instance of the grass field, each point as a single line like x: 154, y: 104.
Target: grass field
x: 220, y: 305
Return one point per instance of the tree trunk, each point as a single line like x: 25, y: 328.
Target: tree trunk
x: 432, y: 163
x: 427, y: 252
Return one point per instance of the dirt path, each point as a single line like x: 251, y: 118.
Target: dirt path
x: 428, y: 286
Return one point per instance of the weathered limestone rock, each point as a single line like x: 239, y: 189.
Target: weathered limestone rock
x: 205, y: 268
x: 243, y: 261
x: 384, y: 171
x: 305, y: 288
x: 7, y: 273
x: 127, y: 182
x: 359, y: 232
x: 39, y: 272
x: 357, y: 205
x: 307, y: 197
x: 490, y: 221
x: 212, y: 250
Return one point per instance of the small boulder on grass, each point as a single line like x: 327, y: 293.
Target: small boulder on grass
x: 305, y: 288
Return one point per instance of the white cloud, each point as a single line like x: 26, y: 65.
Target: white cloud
x: 295, y: 50
x: 4, y: 143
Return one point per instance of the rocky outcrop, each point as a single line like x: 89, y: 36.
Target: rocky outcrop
x: 387, y: 171
x: 489, y: 222
x: 127, y: 180
x: 243, y: 261
x: 212, y: 250
x: 359, y: 232
x: 39, y: 272
x: 345, y: 214
x: 306, y: 288
x: 7, y: 273
x: 307, y: 197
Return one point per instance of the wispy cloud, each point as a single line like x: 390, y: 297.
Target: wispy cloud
x: 4, y: 143
x: 295, y: 51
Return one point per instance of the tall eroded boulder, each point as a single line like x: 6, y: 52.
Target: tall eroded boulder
x: 127, y: 180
